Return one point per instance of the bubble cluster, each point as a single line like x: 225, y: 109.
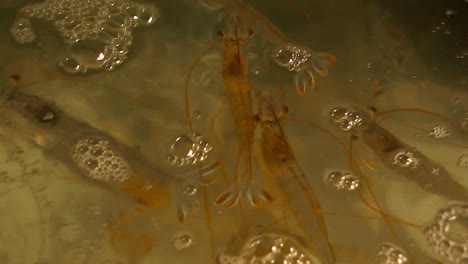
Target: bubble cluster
x: 188, y: 150
x: 405, y: 159
x: 391, y: 254
x: 270, y: 248
x: 345, y: 118
x: 99, y: 31
x: 439, y: 132
x: 22, y: 31
x: 304, y: 62
x: 462, y: 161
x: 291, y: 57
x: 183, y: 242
x: 448, y: 233
x: 342, y: 180
x: 99, y: 161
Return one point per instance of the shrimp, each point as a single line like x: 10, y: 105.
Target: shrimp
x: 279, y: 161
x: 300, y: 60
x: 101, y: 159
x: 234, y: 71
x: 397, y: 155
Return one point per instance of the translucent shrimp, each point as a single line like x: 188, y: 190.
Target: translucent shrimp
x: 397, y: 155
x: 99, y: 158
x: 304, y: 62
x: 278, y: 161
x: 251, y: 17
x: 234, y: 71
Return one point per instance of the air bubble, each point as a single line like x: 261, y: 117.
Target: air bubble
x: 70, y: 65
x: 291, y: 57
x: 183, y: 242
x: 405, y: 159
x: 22, y: 31
x: 107, y: 166
x: 97, y: 152
x: 188, y: 150
x: 270, y: 248
x: 190, y: 190
x: 345, y: 119
x: 391, y: 254
x: 338, y: 114
x: 462, y: 161
x: 342, y: 180
x: 90, y: 54
x: 439, y: 132
x: 149, y: 14
x: 355, y: 118
x: 255, y: 70
x: 345, y: 125
x: 92, y: 164
x: 197, y: 115
x: 448, y: 233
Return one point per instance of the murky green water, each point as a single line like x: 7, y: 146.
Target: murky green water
x: 122, y: 68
